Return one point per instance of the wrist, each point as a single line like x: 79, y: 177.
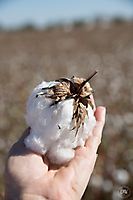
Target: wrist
x: 11, y: 197
x: 24, y: 197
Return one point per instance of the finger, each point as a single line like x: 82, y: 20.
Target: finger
x: 100, y: 114
x: 81, y: 168
x: 85, y: 157
x: 19, y: 144
x: 94, y: 140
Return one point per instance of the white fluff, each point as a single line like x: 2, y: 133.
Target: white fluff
x: 45, y: 134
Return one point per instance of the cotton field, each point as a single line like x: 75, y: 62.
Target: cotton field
x: 29, y: 57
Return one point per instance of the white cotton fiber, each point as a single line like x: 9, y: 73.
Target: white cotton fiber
x: 51, y: 126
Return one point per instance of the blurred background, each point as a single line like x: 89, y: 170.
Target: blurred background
x: 44, y: 40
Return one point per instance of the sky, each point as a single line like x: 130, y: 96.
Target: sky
x: 15, y: 13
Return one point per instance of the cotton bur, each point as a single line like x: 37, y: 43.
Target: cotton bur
x: 60, y: 114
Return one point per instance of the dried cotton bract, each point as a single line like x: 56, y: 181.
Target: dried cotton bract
x: 61, y: 117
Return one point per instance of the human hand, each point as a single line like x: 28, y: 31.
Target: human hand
x: 28, y: 177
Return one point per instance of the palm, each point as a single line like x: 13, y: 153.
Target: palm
x: 30, y: 176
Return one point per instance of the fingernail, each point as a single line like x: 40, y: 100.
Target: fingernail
x: 104, y: 113
x: 105, y: 109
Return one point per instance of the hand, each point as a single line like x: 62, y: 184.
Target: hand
x: 28, y: 177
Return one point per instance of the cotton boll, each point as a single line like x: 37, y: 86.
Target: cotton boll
x: 52, y: 125
x: 61, y: 155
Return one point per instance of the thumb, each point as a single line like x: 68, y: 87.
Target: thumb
x: 24, y: 135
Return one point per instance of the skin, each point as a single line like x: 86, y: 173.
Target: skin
x: 29, y: 176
